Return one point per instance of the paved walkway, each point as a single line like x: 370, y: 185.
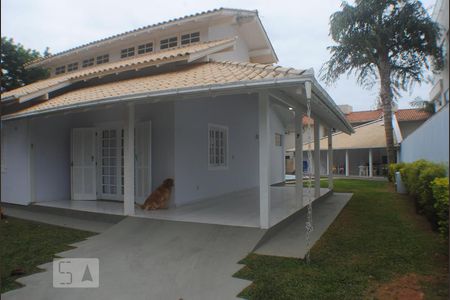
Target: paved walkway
x: 144, y: 258
x: 155, y: 259
x: 66, y: 218
x: 290, y: 241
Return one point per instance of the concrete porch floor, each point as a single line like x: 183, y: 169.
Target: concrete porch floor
x: 236, y: 209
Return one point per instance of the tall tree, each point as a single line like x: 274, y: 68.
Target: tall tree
x: 389, y: 41
x: 13, y: 57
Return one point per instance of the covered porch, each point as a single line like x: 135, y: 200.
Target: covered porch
x: 87, y: 147
x: 234, y: 209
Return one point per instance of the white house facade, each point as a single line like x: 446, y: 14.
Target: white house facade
x: 439, y: 93
x: 196, y: 99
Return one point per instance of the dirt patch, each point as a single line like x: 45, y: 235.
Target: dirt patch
x: 403, y: 288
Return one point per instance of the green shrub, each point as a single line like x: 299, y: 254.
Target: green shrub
x: 410, y: 176
x: 440, y: 194
x: 393, y: 168
x: 419, y: 178
x: 426, y: 200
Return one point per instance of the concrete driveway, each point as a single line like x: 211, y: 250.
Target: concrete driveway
x: 155, y: 259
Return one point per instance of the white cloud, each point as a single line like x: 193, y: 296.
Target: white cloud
x: 297, y: 29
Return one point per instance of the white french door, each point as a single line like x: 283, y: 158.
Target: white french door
x: 110, y: 166
x: 83, y: 164
x: 98, y: 162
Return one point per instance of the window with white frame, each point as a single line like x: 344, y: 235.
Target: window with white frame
x: 168, y: 43
x: 128, y: 52
x: 60, y: 70
x: 88, y: 62
x: 217, y: 146
x: 72, y: 67
x: 278, y: 140
x: 145, y: 48
x: 101, y: 59
x: 189, y: 38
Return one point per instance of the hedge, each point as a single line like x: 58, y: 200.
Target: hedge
x: 427, y: 183
x: 440, y: 194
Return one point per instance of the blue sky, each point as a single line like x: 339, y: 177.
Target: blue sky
x: 298, y: 30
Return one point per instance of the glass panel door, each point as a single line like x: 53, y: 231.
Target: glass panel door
x: 111, y: 164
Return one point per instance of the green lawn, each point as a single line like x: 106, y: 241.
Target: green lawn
x: 377, y: 240
x: 26, y: 244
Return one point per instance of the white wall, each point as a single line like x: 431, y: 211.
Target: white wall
x: 51, y: 150
x: 429, y: 141
x: 222, y: 31
x: 179, y: 148
x: 15, y: 171
x: 193, y: 180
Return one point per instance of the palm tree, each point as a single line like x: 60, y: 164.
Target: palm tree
x: 385, y: 41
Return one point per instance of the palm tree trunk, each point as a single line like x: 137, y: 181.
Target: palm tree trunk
x: 386, y: 100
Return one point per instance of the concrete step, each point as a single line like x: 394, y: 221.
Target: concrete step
x: 288, y: 238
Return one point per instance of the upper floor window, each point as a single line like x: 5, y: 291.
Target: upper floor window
x: 88, y: 62
x: 190, y: 38
x: 145, y: 48
x: 168, y: 43
x: 127, y: 52
x: 217, y: 146
x: 101, y: 59
x: 60, y: 70
x: 72, y: 67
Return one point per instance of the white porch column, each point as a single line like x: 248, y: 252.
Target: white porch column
x: 370, y: 163
x: 347, y: 171
x: 128, y: 197
x: 299, y: 157
x: 316, y: 158
x: 264, y: 159
x: 330, y: 158
x: 328, y: 165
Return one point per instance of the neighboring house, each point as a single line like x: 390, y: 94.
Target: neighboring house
x: 439, y: 94
x: 196, y: 99
x: 353, y: 154
x: 408, y: 119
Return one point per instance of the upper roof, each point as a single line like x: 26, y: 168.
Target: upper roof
x: 403, y: 115
x: 188, y: 53
x: 107, y: 40
x: 184, y: 78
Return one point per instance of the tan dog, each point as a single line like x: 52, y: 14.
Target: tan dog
x: 160, y: 197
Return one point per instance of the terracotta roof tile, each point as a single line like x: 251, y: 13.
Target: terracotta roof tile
x: 364, y: 116
x: 412, y: 115
x: 402, y: 115
x: 139, y: 61
x: 188, y: 76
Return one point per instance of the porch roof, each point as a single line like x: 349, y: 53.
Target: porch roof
x: 193, y: 79
x: 188, y: 53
